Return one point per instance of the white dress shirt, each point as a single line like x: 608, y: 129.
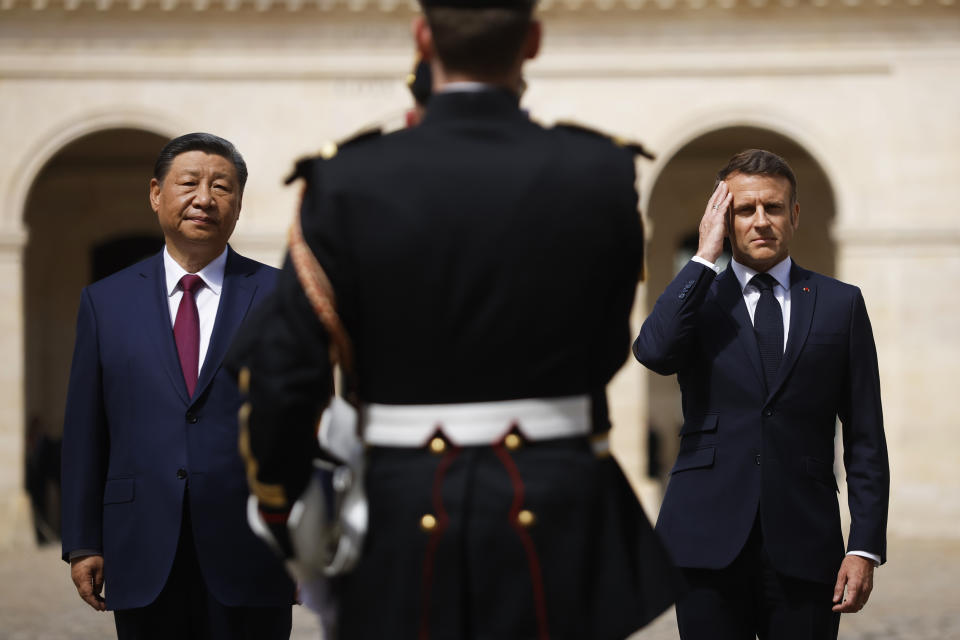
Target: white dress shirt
x: 751, y: 295
x: 207, y: 297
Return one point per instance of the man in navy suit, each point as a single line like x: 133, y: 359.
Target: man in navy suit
x: 154, y: 492
x: 768, y: 355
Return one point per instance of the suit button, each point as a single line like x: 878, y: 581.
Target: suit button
x: 758, y: 459
x: 513, y: 441
x: 768, y: 412
x: 192, y: 418
x: 181, y: 474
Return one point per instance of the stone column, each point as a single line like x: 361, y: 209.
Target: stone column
x: 15, y: 515
x: 908, y: 276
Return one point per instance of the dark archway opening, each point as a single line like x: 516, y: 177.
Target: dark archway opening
x: 113, y: 255
x: 88, y: 215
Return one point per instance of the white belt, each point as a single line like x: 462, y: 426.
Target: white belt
x: 476, y: 423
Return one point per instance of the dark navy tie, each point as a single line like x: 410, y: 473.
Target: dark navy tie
x: 768, y: 325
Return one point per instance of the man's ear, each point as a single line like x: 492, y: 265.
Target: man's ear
x: 795, y: 218
x: 531, y: 47
x: 155, y: 195
x: 422, y: 37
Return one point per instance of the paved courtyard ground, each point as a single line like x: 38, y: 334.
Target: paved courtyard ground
x: 916, y: 597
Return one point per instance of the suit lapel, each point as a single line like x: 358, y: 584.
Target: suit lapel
x: 235, y: 298
x: 156, y: 319
x: 730, y: 299
x: 803, y: 299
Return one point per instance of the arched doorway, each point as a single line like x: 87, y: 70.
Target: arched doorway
x: 88, y: 215
x: 676, y: 205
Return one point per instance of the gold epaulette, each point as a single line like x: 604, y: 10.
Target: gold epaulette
x: 329, y: 150
x: 631, y: 145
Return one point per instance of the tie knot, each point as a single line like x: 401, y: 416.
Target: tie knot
x: 763, y: 282
x: 190, y: 283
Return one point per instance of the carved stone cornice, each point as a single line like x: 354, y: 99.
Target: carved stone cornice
x: 890, y: 239
x: 391, y: 6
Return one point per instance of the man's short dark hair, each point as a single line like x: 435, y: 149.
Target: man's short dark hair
x: 206, y: 142
x: 757, y: 162
x: 478, y: 42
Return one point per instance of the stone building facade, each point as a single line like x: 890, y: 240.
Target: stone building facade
x: 861, y: 96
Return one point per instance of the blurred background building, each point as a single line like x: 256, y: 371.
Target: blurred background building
x: 861, y: 96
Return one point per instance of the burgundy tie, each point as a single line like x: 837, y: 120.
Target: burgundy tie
x: 186, y: 330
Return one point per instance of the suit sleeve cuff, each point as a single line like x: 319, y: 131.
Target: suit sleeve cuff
x: 867, y: 555
x: 706, y: 263
x: 82, y: 553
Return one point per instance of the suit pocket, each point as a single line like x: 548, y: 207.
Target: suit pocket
x: 821, y: 472
x: 707, y: 424
x: 118, y: 491
x: 827, y: 338
x: 694, y: 459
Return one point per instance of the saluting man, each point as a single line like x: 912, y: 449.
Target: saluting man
x: 768, y: 355
x: 484, y: 269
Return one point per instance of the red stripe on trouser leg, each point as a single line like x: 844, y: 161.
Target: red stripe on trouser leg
x: 536, y: 578
x: 426, y: 585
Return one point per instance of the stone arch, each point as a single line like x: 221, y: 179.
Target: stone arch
x: 681, y: 185
x: 15, y: 189
x: 57, y: 137
x: 86, y: 213
x: 806, y: 134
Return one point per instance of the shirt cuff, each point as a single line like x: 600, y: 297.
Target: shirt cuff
x: 82, y: 553
x: 706, y: 263
x: 867, y: 555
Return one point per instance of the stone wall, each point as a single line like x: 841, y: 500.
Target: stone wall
x: 868, y: 90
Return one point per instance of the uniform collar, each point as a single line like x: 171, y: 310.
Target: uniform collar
x: 467, y: 87
x: 487, y: 101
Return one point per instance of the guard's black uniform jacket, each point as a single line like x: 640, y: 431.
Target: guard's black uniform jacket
x: 477, y: 257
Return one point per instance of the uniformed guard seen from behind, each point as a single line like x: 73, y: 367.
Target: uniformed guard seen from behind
x: 484, y: 269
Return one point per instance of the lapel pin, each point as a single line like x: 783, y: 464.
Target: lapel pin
x: 806, y: 289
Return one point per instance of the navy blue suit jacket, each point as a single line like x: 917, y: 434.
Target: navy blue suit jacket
x: 745, y: 448
x: 130, y: 428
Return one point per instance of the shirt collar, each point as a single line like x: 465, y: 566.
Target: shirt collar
x: 212, y: 274
x: 780, y: 273
x: 466, y: 87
